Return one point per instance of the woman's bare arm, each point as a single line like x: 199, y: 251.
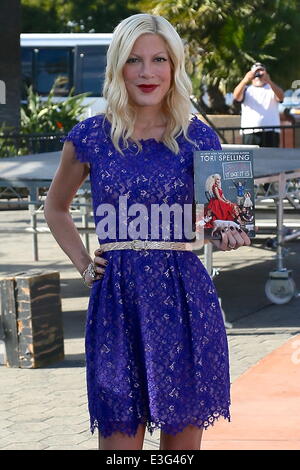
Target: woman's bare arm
x: 68, y: 178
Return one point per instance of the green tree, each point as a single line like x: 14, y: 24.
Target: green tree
x: 40, y: 16
x: 223, y: 38
x: 83, y: 16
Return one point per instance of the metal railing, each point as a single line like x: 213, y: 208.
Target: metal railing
x: 13, y: 144
x: 234, y: 135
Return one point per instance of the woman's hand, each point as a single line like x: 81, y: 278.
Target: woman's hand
x: 99, y: 265
x: 232, y: 239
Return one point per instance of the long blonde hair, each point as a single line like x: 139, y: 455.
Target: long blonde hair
x: 210, y: 181
x: 177, y: 102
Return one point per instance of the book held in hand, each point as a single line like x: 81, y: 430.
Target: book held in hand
x: 223, y: 191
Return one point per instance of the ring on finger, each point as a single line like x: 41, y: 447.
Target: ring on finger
x: 231, y: 246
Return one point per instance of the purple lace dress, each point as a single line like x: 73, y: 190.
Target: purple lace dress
x: 156, y: 346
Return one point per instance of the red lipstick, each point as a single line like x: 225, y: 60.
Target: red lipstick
x: 147, y: 88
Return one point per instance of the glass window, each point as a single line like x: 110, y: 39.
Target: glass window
x: 51, y: 64
x: 90, y: 69
x: 26, y: 70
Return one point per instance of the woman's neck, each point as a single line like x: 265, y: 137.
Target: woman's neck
x: 150, y: 123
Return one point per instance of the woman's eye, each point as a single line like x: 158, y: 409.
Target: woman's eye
x: 134, y: 60
x: 131, y: 60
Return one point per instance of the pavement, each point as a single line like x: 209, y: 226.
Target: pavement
x: 46, y: 408
x: 265, y: 410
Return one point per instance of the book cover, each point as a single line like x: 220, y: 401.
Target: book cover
x: 223, y: 191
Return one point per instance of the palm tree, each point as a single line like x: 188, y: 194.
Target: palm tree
x: 10, y: 73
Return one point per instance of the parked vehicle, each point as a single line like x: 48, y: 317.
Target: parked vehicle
x: 78, y: 59
x: 291, y: 101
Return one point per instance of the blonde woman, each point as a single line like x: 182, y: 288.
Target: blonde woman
x: 221, y: 207
x: 156, y: 347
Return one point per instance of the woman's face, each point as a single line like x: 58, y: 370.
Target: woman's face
x: 147, y: 72
x: 218, y: 181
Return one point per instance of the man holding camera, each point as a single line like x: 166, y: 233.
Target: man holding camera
x: 259, y: 107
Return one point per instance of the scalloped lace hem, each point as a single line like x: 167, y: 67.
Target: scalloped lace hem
x: 157, y: 425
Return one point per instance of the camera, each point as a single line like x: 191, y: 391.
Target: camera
x: 258, y: 74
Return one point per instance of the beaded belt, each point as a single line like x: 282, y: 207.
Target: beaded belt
x: 144, y: 245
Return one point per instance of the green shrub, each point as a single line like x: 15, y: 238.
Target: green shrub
x: 43, y: 116
x: 48, y: 115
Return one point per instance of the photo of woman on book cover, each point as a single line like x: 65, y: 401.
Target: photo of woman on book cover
x: 218, y: 207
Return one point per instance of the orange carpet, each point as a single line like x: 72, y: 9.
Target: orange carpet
x: 265, y: 410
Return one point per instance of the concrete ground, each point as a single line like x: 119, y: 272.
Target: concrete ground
x: 46, y: 409
x: 264, y: 412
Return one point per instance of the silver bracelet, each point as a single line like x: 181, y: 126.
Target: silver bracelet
x: 91, y: 271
